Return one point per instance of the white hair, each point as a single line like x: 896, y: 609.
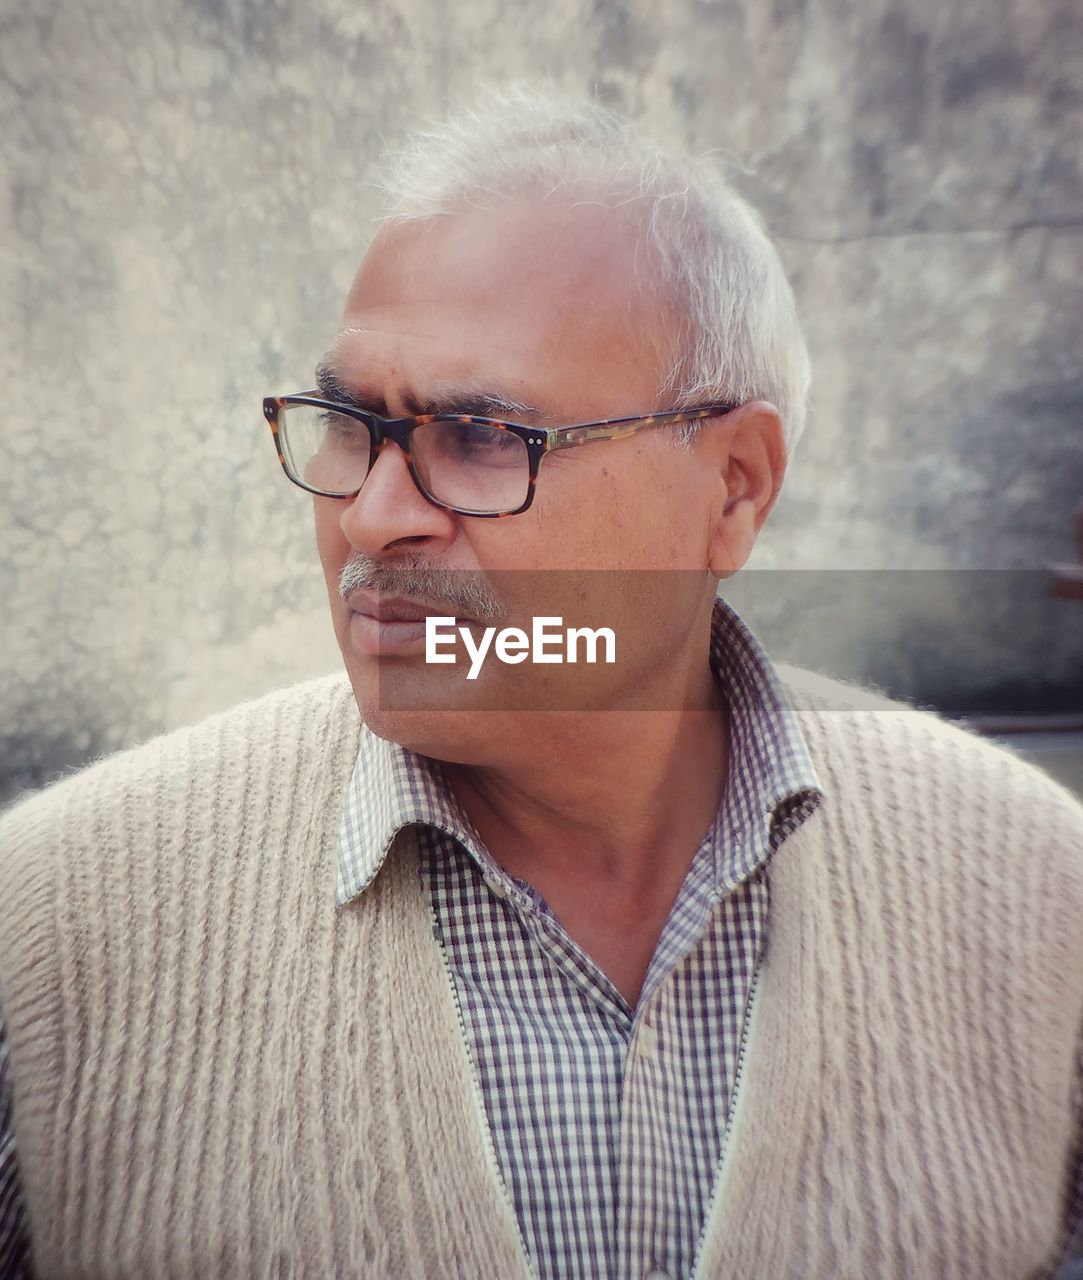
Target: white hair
x: 743, y: 340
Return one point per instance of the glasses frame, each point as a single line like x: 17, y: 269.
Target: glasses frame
x: 538, y: 440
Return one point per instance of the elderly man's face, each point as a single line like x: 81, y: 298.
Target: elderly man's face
x: 544, y: 304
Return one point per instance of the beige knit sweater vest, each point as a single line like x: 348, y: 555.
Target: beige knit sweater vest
x: 218, y: 1073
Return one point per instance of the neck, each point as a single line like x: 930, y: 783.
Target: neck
x: 618, y: 799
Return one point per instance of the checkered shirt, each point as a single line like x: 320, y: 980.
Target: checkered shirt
x: 608, y: 1121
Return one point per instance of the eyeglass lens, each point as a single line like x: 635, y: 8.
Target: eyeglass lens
x: 466, y: 465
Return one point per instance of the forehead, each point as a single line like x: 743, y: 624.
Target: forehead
x: 544, y: 294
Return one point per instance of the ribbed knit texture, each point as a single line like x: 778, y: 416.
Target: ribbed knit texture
x: 218, y: 1073
x: 194, y: 1095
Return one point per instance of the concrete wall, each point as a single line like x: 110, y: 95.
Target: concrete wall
x: 183, y: 201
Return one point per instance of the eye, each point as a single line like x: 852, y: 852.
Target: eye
x: 341, y: 431
x: 468, y: 447
x: 477, y: 438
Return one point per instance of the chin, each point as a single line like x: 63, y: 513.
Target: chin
x: 455, y: 737
x: 412, y: 717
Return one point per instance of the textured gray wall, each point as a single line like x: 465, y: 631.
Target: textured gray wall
x: 184, y: 201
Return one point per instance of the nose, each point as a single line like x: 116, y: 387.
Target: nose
x: 389, y: 509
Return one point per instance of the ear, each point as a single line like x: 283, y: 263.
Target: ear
x: 750, y: 478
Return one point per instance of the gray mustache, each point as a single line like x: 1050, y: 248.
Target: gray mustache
x: 464, y: 591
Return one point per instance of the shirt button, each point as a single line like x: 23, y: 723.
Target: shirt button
x: 656, y: 1273
x: 496, y: 888
x: 647, y: 1047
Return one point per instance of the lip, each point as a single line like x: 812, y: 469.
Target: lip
x: 390, y: 626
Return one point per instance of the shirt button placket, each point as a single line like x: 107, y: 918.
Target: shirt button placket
x: 644, y: 1050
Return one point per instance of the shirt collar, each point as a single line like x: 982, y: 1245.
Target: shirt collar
x: 772, y: 784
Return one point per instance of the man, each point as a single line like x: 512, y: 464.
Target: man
x: 419, y: 976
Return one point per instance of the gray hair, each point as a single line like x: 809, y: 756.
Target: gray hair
x: 743, y: 339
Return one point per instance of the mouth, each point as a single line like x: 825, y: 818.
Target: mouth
x: 392, y: 626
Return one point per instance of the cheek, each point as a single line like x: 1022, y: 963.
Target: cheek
x: 640, y: 514
x: 331, y: 543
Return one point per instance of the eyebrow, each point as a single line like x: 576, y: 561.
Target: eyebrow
x: 452, y: 400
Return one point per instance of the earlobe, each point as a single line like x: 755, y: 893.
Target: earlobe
x: 732, y: 538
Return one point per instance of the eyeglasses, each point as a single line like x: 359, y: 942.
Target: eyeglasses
x: 463, y: 464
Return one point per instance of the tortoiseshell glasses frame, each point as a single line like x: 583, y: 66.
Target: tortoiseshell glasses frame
x: 538, y: 440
